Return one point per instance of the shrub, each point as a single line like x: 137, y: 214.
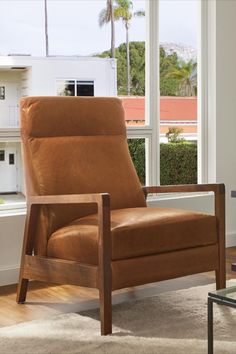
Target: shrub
x: 137, y: 152
x: 173, y: 135
x: 178, y: 163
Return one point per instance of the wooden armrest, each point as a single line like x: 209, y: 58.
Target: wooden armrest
x: 217, y: 188
x: 98, y: 198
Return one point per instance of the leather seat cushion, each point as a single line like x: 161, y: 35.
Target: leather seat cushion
x: 134, y: 232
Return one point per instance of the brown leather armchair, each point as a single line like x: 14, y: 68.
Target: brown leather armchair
x: 88, y: 222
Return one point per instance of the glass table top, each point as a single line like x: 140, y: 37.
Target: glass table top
x: 228, y: 294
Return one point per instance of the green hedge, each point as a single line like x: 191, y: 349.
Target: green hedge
x: 137, y: 152
x: 178, y: 161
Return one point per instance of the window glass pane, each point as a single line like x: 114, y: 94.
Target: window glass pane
x: 65, y: 88
x: 178, y: 91
x: 2, y: 155
x: 85, y: 88
x: 2, y: 92
x: 137, y: 152
x: 131, y: 64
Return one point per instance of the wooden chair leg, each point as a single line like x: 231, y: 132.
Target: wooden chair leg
x: 30, y: 222
x: 22, y: 290
x: 105, y: 311
x: 220, y: 279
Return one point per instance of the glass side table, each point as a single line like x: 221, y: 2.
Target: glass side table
x: 223, y: 297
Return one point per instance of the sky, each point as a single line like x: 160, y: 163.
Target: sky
x: 73, y: 26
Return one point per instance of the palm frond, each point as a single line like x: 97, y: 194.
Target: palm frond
x: 104, y: 17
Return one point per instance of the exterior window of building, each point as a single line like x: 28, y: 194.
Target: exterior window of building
x: 85, y: 88
x: 2, y: 155
x: 2, y: 92
x: 75, y: 88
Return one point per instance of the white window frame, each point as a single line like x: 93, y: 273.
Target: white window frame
x: 89, y: 81
x: 206, y: 95
x: 151, y: 130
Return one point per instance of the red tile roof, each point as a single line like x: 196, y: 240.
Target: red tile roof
x: 172, y: 108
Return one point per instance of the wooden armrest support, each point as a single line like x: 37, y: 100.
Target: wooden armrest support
x: 101, y: 199
x: 217, y: 188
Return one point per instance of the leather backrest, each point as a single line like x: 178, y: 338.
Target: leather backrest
x: 76, y: 145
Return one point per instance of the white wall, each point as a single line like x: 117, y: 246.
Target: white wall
x: 11, y: 236
x: 41, y: 74
x: 45, y: 73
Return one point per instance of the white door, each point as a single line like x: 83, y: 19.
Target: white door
x: 8, y: 167
x: 9, y: 96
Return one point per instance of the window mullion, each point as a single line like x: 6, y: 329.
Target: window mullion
x: 152, y: 88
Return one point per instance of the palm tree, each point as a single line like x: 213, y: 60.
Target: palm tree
x: 46, y: 27
x: 124, y: 12
x: 107, y: 15
x: 186, y: 73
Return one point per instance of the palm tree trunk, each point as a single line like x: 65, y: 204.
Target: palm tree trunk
x: 127, y: 59
x: 46, y: 27
x: 112, y: 30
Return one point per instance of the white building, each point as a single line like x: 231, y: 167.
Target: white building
x: 45, y: 76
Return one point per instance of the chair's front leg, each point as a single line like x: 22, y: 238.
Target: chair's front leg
x: 30, y: 226
x: 105, y: 307
x: 104, y: 266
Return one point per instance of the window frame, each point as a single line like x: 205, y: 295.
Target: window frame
x: 206, y: 95
x: 151, y: 129
x: 75, y: 83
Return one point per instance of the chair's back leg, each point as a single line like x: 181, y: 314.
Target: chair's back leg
x: 104, y: 266
x: 22, y: 290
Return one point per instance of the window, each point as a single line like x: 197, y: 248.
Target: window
x: 11, y: 159
x: 146, y: 81
x: 2, y: 155
x: 85, y: 88
x: 178, y: 91
x: 2, y: 92
x: 75, y: 88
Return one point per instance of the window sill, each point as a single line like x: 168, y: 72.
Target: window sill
x: 13, y: 204
x: 13, y: 209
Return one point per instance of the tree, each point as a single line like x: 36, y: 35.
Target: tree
x: 124, y: 12
x: 107, y: 15
x: 186, y: 74
x: 173, y: 135
x: 168, y: 85
x: 46, y: 27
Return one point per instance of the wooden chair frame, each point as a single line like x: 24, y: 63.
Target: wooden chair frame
x: 71, y: 272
